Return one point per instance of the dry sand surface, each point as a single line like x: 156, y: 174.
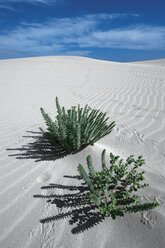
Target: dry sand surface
x: 156, y: 62
x: 132, y: 94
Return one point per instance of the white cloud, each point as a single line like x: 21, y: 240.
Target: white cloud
x: 28, y: 1
x: 138, y: 37
x: 64, y: 35
x: 9, y: 4
x: 6, y: 6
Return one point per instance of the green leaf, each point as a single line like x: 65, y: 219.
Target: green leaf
x: 85, y: 177
x: 90, y: 167
x: 103, y: 159
x: 95, y: 199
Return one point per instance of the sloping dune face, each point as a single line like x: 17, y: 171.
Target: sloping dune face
x: 133, y: 95
x: 156, y: 62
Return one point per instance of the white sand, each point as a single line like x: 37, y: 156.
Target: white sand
x: 156, y: 62
x: 132, y: 94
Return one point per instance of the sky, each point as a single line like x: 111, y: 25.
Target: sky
x: 114, y: 30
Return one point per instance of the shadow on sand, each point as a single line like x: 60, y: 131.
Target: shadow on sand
x: 76, y: 205
x: 39, y: 150
x: 81, y: 212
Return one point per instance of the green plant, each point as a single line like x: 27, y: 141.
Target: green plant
x: 112, y: 189
x: 75, y: 129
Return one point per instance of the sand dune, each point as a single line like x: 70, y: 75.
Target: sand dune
x: 132, y: 94
x: 155, y: 62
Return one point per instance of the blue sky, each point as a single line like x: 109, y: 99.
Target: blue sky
x: 116, y: 30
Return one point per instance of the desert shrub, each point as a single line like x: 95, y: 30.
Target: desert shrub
x: 75, y: 129
x: 113, y: 189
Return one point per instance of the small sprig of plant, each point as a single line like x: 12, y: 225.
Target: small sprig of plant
x: 112, y: 189
x: 75, y: 129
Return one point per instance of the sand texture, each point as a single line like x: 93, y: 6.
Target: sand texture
x: 132, y: 94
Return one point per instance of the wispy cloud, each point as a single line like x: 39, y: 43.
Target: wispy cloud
x: 142, y: 37
x: 28, y: 1
x: 80, y: 34
x: 6, y: 6
x: 9, y: 4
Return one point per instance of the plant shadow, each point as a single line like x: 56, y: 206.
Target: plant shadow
x: 80, y: 210
x: 40, y: 149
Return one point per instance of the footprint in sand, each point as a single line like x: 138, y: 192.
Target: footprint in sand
x: 43, y: 178
x: 149, y: 219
